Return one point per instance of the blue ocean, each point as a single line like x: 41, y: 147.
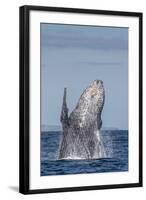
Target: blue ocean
x: 115, y: 144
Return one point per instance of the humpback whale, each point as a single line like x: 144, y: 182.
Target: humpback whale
x: 81, y: 130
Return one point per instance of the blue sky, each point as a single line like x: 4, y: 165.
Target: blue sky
x: 73, y: 56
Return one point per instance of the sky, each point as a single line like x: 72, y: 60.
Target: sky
x: 73, y: 56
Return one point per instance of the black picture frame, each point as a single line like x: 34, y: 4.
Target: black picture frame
x: 25, y: 104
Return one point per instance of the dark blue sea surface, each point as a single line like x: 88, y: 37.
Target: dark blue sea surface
x: 116, y: 146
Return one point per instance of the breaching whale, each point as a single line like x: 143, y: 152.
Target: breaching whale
x: 81, y: 130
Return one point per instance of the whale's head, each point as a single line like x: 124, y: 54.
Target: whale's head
x: 91, y: 103
x: 93, y: 97
x: 95, y: 90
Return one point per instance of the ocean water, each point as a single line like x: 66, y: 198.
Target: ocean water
x: 116, y: 146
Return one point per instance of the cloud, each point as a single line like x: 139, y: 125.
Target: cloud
x: 100, y: 63
x: 69, y: 36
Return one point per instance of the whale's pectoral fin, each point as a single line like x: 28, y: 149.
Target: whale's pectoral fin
x: 99, y: 123
x: 64, y: 113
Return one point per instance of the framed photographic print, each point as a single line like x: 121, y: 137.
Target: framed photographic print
x: 80, y: 99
